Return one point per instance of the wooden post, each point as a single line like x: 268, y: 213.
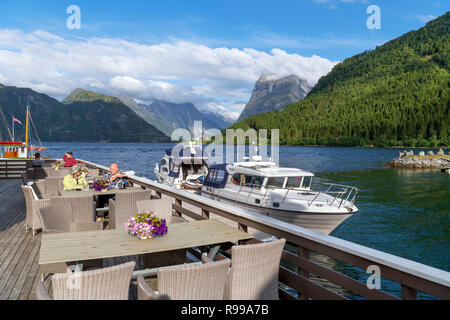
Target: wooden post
x: 302, y: 252
x: 178, y: 203
x: 205, y: 213
x: 244, y: 228
x: 408, y: 293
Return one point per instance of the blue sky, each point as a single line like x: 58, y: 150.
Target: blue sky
x: 330, y: 29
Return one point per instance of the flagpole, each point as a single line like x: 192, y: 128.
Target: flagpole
x: 13, y: 127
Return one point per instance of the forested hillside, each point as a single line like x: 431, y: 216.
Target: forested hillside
x: 397, y: 94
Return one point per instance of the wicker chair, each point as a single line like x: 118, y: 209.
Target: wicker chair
x: 254, y: 271
x: 24, y: 178
x: 32, y: 203
x: 112, y: 283
x: 162, y: 208
x: 124, y: 206
x: 38, y: 187
x: 191, y: 282
x: 82, y: 208
x: 59, y: 218
x: 52, y: 186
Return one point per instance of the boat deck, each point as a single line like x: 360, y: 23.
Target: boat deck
x: 19, y: 250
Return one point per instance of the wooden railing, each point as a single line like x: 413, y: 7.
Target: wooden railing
x: 299, y: 271
x: 12, y: 168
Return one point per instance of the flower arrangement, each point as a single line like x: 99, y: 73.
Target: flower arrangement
x: 146, y: 225
x: 56, y: 165
x: 100, y: 184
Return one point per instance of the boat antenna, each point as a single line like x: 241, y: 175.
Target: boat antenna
x: 34, y: 127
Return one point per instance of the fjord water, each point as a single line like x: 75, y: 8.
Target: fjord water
x: 404, y: 212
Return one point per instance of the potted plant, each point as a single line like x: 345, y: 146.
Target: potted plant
x: 146, y: 226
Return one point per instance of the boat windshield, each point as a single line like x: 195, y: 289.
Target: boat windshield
x: 289, y: 182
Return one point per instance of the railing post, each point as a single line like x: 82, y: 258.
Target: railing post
x: 205, y: 213
x: 304, y: 253
x: 244, y: 228
x: 408, y: 293
x: 178, y: 203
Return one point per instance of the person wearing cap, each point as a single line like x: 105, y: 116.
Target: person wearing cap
x: 75, y: 180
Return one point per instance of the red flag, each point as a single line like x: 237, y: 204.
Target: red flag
x: 16, y: 120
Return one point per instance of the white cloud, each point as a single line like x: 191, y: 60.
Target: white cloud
x: 425, y: 18
x: 176, y: 71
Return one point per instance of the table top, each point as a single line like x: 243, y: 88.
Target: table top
x: 92, y: 192
x: 79, y: 246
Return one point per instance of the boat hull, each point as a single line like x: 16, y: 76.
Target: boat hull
x: 321, y: 222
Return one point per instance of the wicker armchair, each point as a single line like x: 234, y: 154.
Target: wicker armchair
x: 52, y: 186
x: 254, y: 271
x: 112, y: 283
x: 124, y: 206
x: 24, y: 178
x: 38, y: 187
x: 82, y: 208
x: 191, y: 282
x: 162, y: 208
x: 59, y: 218
x: 32, y: 203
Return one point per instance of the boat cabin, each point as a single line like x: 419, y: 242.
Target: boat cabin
x: 257, y: 176
x: 14, y: 150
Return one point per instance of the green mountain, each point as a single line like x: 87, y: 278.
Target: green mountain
x: 397, y: 94
x: 106, y: 120
x: 81, y: 95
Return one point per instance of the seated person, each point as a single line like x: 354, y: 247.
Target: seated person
x: 37, y: 162
x: 115, y: 176
x: 69, y: 160
x: 75, y: 180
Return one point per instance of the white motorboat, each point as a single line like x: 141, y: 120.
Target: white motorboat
x: 185, y: 170
x: 287, y: 194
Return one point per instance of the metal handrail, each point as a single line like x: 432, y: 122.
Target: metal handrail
x: 338, y: 195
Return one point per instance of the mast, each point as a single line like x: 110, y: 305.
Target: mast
x: 13, y: 128
x: 26, y: 128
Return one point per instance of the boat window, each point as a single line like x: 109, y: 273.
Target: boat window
x: 257, y: 182
x: 294, y: 182
x: 307, y: 182
x: 236, y: 178
x: 220, y: 174
x: 275, y: 182
x: 247, y: 181
x: 211, y: 175
x: 163, y: 162
x: 165, y: 170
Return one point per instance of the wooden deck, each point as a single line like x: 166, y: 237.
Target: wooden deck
x: 19, y: 250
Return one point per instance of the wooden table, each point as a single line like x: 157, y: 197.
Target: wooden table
x: 60, y: 249
x: 92, y: 192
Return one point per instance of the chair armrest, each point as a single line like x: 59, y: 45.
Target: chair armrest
x: 86, y: 226
x: 41, y: 292
x: 144, y: 290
